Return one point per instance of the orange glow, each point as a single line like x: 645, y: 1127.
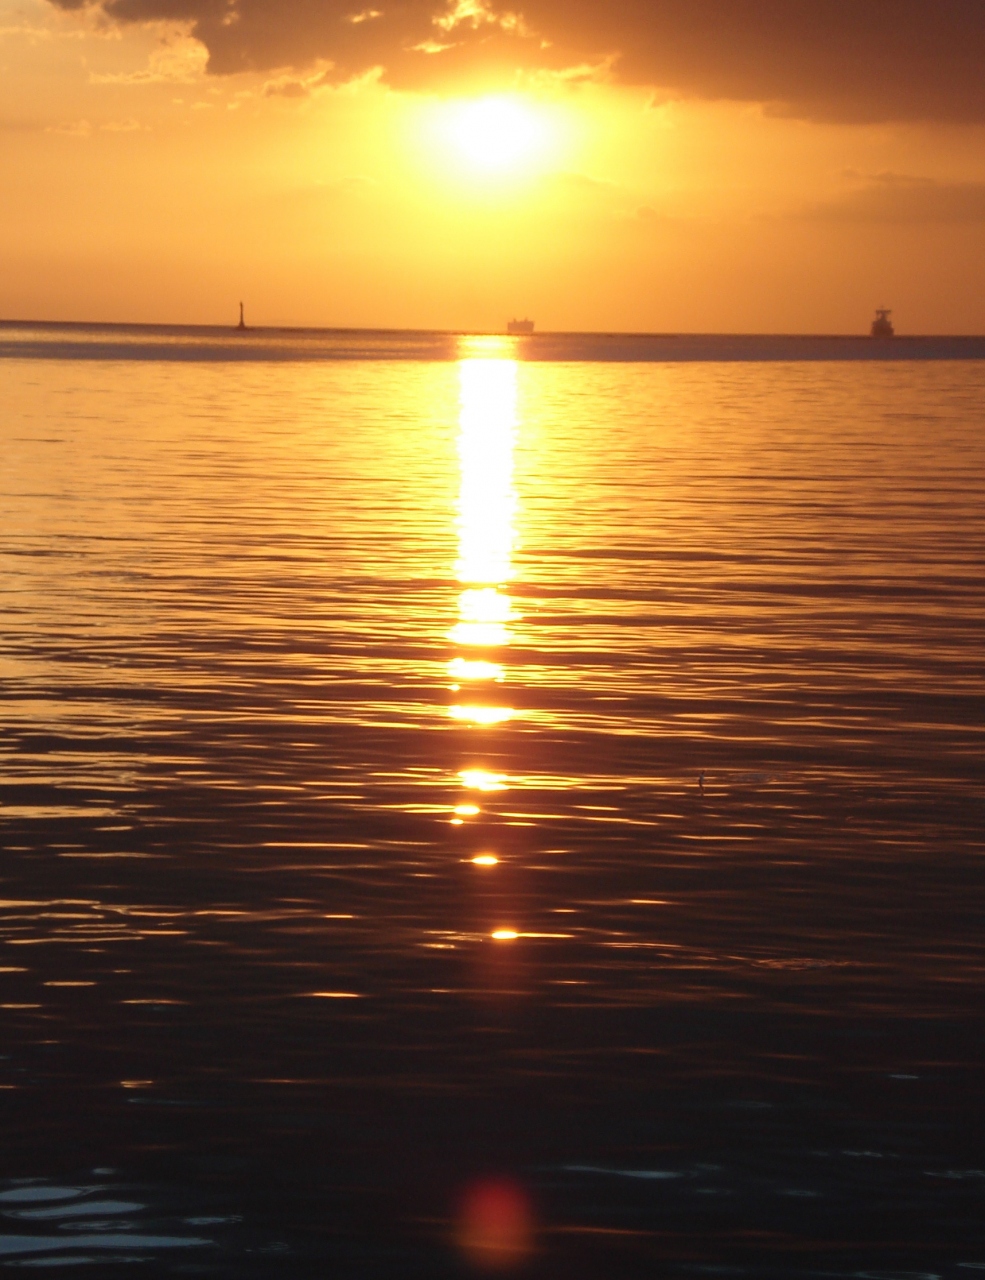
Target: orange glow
x: 466, y: 810
x: 495, y: 1225
x: 505, y: 935
x: 585, y: 202
x: 486, y: 860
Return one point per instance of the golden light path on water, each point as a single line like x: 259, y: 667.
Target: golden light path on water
x: 487, y: 508
x: 486, y: 532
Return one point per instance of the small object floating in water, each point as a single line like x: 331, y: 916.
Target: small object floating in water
x: 882, y: 326
x: 520, y: 326
x: 242, y: 322
x: 701, y: 782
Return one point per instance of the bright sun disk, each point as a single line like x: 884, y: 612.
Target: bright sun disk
x: 498, y: 133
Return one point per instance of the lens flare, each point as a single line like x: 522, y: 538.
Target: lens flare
x: 496, y: 1225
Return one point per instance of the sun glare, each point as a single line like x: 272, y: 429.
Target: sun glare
x: 499, y: 134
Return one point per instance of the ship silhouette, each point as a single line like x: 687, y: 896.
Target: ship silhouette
x: 520, y: 326
x: 882, y: 326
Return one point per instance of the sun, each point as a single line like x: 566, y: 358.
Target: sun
x: 498, y: 134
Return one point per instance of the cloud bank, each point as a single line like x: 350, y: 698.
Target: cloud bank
x: 902, y: 198
x: 837, y: 60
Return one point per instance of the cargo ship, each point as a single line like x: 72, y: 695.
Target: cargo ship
x: 520, y: 326
x: 882, y: 326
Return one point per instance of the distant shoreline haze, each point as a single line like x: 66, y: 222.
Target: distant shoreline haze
x: 163, y: 325
x: 77, y: 340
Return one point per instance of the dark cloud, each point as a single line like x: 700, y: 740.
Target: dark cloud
x: 840, y: 60
x: 901, y: 198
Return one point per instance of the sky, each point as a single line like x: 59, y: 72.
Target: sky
x: 633, y: 165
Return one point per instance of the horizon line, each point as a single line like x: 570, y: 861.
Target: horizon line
x: 482, y: 333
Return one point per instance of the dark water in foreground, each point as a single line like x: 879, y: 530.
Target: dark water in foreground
x: 693, y: 650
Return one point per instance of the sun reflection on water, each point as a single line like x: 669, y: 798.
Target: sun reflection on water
x: 487, y: 506
x: 478, y: 713
x: 472, y: 669
x: 486, y: 535
x: 482, y: 780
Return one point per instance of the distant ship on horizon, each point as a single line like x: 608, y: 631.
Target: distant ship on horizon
x: 520, y: 326
x: 882, y: 326
x: 242, y: 320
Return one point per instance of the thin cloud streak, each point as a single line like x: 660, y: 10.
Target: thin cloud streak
x: 904, y: 199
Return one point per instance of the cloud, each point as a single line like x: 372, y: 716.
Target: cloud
x: 14, y: 124
x: 289, y: 86
x: 902, y: 198
x: 286, y: 89
x: 178, y: 60
x: 837, y: 60
x: 71, y: 128
x: 37, y: 35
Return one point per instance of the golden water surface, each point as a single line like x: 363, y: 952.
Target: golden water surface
x: 568, y: 770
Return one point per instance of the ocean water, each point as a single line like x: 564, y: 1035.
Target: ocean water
x: 476, y: 806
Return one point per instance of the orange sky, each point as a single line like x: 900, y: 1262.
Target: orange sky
x: 161, y: 159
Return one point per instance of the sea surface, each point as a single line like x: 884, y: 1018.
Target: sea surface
x: 476, y: 806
